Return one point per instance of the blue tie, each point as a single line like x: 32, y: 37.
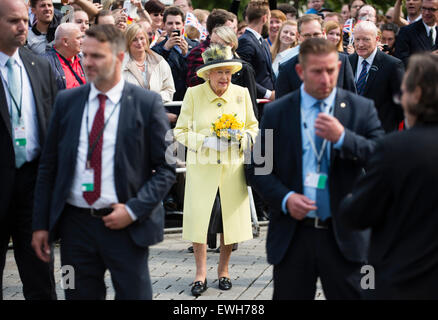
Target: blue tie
x: 17, y: 119
x: 362, y: 80
x: 322, y: 196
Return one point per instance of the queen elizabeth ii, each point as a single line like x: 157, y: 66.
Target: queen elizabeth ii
x: 215, y: 162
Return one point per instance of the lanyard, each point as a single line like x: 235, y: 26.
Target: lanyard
x: 312, y: 144
x: 94, y: 144
x: 17, y: 106
x: 70, y: 67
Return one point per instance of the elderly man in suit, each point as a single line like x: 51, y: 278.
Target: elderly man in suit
x: 255, y: 50
x: 321, y: 138
x: 27, y: 91
x: 378, y: 75
x: 398, y: 200
x: 419, y: 36
x: 310, y: 26
x: 103, y: 174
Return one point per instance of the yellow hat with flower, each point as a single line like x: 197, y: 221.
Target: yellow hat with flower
x: 217, y: 56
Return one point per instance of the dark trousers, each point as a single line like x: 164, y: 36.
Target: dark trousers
x: 314, y: 253
x: 37, y: 276
x: 91, y: 249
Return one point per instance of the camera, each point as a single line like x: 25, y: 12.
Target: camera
x: 386, y: 48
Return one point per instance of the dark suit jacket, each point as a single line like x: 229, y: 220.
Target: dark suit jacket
x: 140, y: 148
x: 412, y: 39
x: 362, y: 127
x: 288, y: 79
x: 384, y: 81
x: 44, y: 91
x: 259, y: 57
x: 397, y: 199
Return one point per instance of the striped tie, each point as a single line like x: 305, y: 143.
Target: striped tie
x: 362, y: 80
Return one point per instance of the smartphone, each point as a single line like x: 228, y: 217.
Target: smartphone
x: 385, y: 48
x: 96, y: 1
x: 177, y: 32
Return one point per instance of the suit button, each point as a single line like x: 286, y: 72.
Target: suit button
x: 219, y: 162
x: 219, y: 104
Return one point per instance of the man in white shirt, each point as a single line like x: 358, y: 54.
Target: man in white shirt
x: 378, y: 76
x: 103, y: 176
x: 27, y: 92
x: 255, y: 50
x: 419, y: 36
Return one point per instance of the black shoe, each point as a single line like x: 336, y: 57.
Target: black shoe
x: 199, y: 287
x: 225, y: 283
x: 190, y: 249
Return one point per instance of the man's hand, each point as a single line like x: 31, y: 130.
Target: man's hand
x: 184, y: 46
x: 172, y: 117
x: 328, y: 127
x: 173, y: 40
x: 299, y: 205
x: 40, y: 243
x: 272, y: 97
x: 118, y: 219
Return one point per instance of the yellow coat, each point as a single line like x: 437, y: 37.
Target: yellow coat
x: 208, y: 170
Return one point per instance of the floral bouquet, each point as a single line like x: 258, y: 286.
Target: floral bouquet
x: 228, y: 127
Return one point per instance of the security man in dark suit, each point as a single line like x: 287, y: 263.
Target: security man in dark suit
x: 27, y: 92
x: 378, y: 75
x: 310, y: 26
x: 397, y: 195
x: 321, y: 138
x: 103, y: 175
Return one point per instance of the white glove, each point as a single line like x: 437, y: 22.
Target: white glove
x: 216, y: 144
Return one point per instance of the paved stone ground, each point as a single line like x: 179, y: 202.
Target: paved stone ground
x: 172, y: 269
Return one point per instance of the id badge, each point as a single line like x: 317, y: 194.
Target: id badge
x: 88, y: 180
x: 20, y: 135
x: 316, y: 180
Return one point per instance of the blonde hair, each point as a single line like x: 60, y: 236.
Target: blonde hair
x: 228, y: 36
x: 201, y: 15
x: 275, y: 49
x: 331, y: 25
x: 131, y: 33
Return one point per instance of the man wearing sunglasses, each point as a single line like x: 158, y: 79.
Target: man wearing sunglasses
x: 419, y: 36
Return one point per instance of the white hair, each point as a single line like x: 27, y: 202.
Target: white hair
x: 366, y: 26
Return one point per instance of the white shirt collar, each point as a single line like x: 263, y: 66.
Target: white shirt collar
x: 114, y: 94
x: 428, y: 28
x: 4, y: 59
x: 370, y: 59
x: 257, y: 35
x: 416, y: 19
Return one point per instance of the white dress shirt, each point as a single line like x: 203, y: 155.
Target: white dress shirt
x: 370, y: 60
x: 430, y: 29
x: 28, y: 107
x: 108, y: 195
